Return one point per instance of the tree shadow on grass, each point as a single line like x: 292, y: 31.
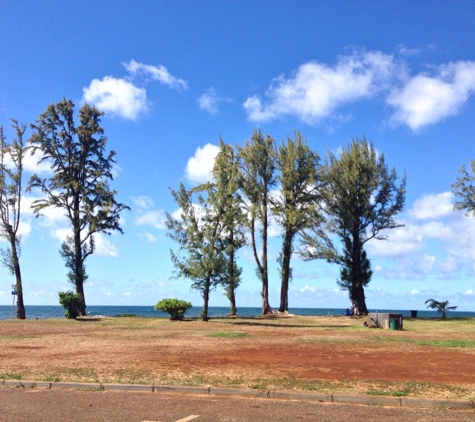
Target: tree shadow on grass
x: 266, y: 324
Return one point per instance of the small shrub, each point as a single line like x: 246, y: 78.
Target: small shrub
x: 175, y: 307
x: 71, y: 302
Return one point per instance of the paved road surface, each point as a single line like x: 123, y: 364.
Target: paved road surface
x: 35, y: 405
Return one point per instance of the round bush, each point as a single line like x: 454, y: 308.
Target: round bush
x: 175, y: 307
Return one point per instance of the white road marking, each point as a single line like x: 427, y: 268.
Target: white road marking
x: 188, y: 418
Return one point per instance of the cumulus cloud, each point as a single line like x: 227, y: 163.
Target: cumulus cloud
x: 155, y: 219
x: 102, y: 245
x: 315, y: 90
x: 31, y: 163
x: 117, y: 97
x: 199, y: 167
x: 433, y: 206
x: 428, y: 98
x: 158, y: 73
x: 148, y: 237
x: 434, y: 241
x: 208, y: 101
x: 142, y: 201
x: 121, y: 97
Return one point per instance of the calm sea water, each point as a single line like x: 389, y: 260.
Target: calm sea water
x: 40, y: 312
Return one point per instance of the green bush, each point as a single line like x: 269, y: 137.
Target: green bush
x: 175, y: 307
x: 71, y: 302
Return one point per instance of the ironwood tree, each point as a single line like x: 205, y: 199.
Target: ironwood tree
x: 223, y: 193
x: 82, y: 170
x: 464, y: 190
x: 257, y: 162
x: 296, y: 207
x: 200, y: 256
x: 11, y: 173
x: 361, y: 199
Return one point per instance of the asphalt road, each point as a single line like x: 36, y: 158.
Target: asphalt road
x: 35, y: 405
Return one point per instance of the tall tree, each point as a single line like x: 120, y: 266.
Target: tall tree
x: 361, y: 198
x: 200, y: 257
x: 11, y: 172
x: 464, y: 190
x: 79, y: 185
x: 223, y: 194
x: 257, y: 160
x: 296, y: 208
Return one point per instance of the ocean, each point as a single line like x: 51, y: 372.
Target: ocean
x: 41, y: 312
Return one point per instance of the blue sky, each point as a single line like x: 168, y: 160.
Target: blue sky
x: 175, y: 76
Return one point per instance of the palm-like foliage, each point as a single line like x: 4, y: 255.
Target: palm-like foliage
x: 441, y: 307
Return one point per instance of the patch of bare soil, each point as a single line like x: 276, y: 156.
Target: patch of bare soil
x: 303, y: 349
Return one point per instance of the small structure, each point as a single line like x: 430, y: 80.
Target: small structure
x: 385, y: 320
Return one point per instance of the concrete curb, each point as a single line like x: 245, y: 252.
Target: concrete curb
x: 282, y: 395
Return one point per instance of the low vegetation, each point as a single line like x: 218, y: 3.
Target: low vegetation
x: 329, y: 355
x: 176, y: 308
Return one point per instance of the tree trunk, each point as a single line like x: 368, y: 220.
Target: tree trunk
x: 21, y: 313
x: 266, y: 308
x: 204, y: 311
x: 232, y: 303
x: 79, y: 270
x: 232, y: 278
x: 359, y: 300
x: 285, y: 272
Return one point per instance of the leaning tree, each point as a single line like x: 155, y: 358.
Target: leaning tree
x: 11, y: 190
x: 79, y: 185
x: 361, y: 199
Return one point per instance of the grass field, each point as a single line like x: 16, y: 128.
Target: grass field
x: 430, y: 358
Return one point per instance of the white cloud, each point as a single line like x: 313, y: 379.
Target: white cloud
x: 435, y: 241
x: 208, y: 101
x: 317, y: 89
x: 148, y: 237
x: 158, y: 73
x: 142, y: 201
x: 50, y: 216
x: 117, y: 97
x: 433, y: 206
x: 31, y: 163
x: 104, y: 247
x: 426, y: 99
x: 469, y: 292
x: 401, y: 242
x: 199, y: 167
x: 152, y: 218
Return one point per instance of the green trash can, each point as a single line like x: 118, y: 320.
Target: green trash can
x: 393, y: 324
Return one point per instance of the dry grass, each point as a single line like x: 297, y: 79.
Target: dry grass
x: 430, y: 358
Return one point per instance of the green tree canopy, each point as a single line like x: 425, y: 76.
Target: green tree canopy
x: 440, y: 307
x: 361, y: 199
x: 224, y: 195
x: 464, y: 190
x: 79, y: 185
x: 257, y: 161
x: 296, y: 207
x: 11, y: 190
x: 200, y: 257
